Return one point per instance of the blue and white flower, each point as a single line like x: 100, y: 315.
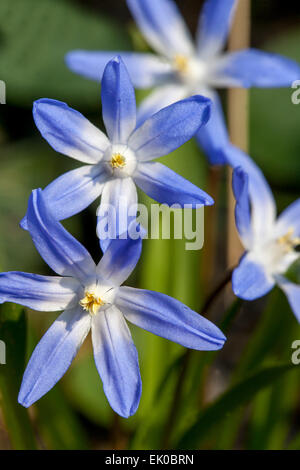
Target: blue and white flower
x: 183, y: 68
x: 117, y: 163
x: 93, y: 300
x: 272, y: 245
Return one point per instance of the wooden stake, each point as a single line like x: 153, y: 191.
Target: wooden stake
x: 238, y: 121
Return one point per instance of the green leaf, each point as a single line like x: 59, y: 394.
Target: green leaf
x: 166, y: 267
x: 271, y: 424
x: 13, y: 328
x: 25, y: 164
x: 34, y: 38
x: 59, y: 426
x: 237, y: 396
x: 195, y: 379
x: 83, y: 388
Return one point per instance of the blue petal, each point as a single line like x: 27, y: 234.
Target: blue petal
x: 160, y: 98
x: 242, y: 208
x: 145, y: 70
x: 290, y: 219
x: 74, y: 191
x: 169, y: 318
x: 292, y: 291
x: 117, y: 361
x: 170, y: 128
x: 263, y: 207
x: 62, y: 252
x: 214, y: 26
x: 166, y: 186
x: 117, y: 210
x: 162, y: 25
x: 118, y: 102
x: 253, y: 68
x: 119, y: 260
x: 250, y: 280
x: 68, y: 132
x: 214, y: 135
x: 43, y: 293
x: 54, y: 355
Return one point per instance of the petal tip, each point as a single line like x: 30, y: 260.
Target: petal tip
x: 23, y: 224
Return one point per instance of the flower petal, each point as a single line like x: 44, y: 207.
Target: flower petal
x: 62, y: 252
x: 117, y: 211
x: 68, y: 131
x: 54, y: 354
x: 242, y: 208
x: 263, y: 207
x: 166, y: 186
x: 290, y: 219
x: 74, y: 191
x: 250, y: 280
x: 254, y: 68
x: 214, y: 135
x: 119, y: 260
x: 214, y: 25
x: 292, y: 291
x: 118, y: 102
x: 43, y: 293
x: 170, y: 128
x: 169, y: 318
x: 117, y: 361
x: 160, y: 98
x: 162, y: 25
x: 145, y: 70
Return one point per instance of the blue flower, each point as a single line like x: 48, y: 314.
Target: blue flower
x: 271, y: 245
x: 92, y: 299
x: 183, y: 68
x: 119, y: 162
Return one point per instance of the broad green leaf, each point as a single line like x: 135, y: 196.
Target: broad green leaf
x: 13, y: 333
x: 271, y: 341
x: 200, y: 362
x: 235, y: 397
x: 34, y: 38
x: 271, y: 417
x: 168, y: 268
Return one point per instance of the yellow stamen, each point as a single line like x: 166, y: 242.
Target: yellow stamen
x: 117, y: 161
x: 181, y: 63
x: 91, y: 303
x: 288, y: 241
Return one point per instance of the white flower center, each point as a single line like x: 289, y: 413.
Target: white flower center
x: 120, y: 161
x: 97, y: 297
x: 278, y: 254
x: 91, y: 303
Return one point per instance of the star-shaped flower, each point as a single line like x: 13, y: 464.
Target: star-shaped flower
x: 272, y: 246
x: 93, y: 300
x: 118, y: 162
x: 183, y: 68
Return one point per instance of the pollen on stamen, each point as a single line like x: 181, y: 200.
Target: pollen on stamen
x: 289, y: 242
x: 181, y: 63
x: 91, y: 303
x: 117, y: 161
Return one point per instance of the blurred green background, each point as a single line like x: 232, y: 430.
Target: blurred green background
x: 246, y: 397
